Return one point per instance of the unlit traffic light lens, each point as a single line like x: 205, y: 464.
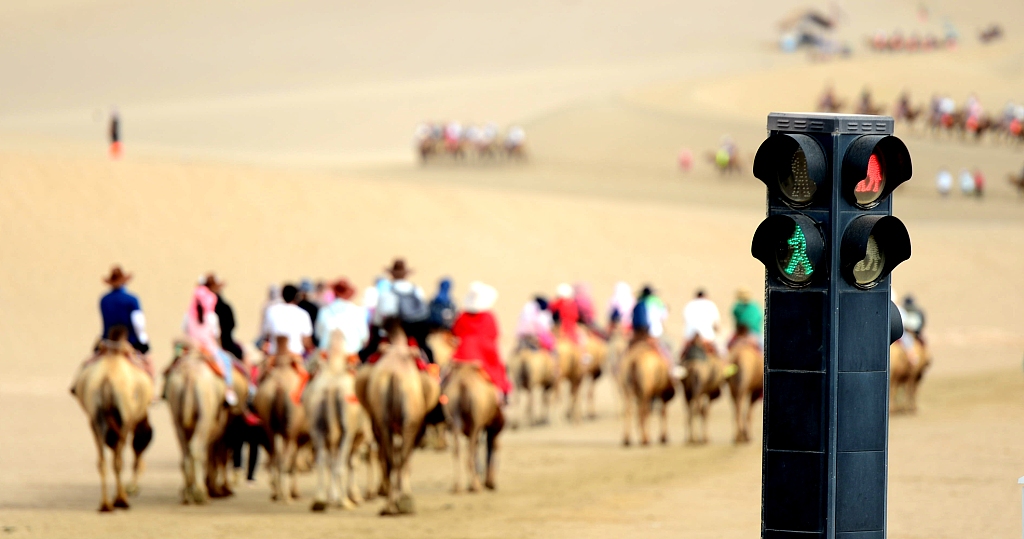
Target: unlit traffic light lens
x: 870, y: 269
x: 870, y: 188
x: 798, y: 186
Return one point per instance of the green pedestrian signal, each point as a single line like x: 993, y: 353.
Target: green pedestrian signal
x: 798, y: 255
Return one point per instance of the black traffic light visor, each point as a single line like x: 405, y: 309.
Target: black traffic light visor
x: 873, y: 167
x: 793, y: 167
x: 790, y: 247
x: 872, y: 246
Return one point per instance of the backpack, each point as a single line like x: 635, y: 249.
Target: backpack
x: 640, y: 320
x: 411, y: 308
x: 442, y: 314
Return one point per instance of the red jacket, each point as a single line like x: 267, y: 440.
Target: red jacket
x: 478, y: 342
x: 567, y: 312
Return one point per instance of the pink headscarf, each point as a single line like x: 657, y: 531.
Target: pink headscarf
x: 203, y: 333
x: 584, y: 301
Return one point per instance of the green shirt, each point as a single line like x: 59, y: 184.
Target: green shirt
x: 749, y: 315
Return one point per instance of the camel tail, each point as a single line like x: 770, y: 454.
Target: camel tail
x: 279, y: 411
x: 333, y: 415
x: 189, y: 406
x: 393, y: 409
x: 108, y: 416
x: 634, y: 378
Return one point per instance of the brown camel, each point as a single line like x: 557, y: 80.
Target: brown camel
x: 702, y: 384
x: 594, y: 358
x: 746, y: 385
x: 397, y: 396
x: 283, y: 419
x: 115, y: 394
x: 472, y: 409
x: 195, y: 395
x: 644, y: 378
x: 905, y: 376
x: 338, y: 428
x: 570, y: 369
x: 533, y: 371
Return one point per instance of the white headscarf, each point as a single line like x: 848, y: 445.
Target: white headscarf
x: 481, y: 297
x: 622, y: 300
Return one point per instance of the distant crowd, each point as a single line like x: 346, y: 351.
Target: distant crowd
x: 460, y: 142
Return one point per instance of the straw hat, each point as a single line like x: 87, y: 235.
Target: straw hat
x: 398, y: 270
x: 743, y: 294
x: 212, y: 282
x: 481, y: 297
x: 117, y: 277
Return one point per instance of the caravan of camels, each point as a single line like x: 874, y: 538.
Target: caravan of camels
x: 340, y: 384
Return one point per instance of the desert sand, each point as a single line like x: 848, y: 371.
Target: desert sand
x: 270, y: 141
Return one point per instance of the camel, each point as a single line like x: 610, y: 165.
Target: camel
x: 746, y: 385
x: 702, y: 384
x: 115, y: 394
x: 594, y: 357
x: 571, y: 369
x: 472, y: 409
x: 532, y: 369
x: 397, y: 396
x: 1017, y: 180
x: 338, y: 428
x: 906, y: 376
x: 644, y: 378
x: 195, y: 395
x: 284, y: 420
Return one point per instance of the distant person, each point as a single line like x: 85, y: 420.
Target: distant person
x: 345, y: 316
x: 442, y: 308
x: 585, y: 304
x: 914, y: 318
x: 748, y: 318
x: 966, y: 182
x: 371, y: 302
x: 306, y: 291
x: 533, y: 330
x: 115, y: 134
x: 288, y: 319
x: 620, y: 307
x: 225, y: 317
x: 648, y: 321
x: 685, y: 159
x: 944, y: 182
x: 979, y: 183
x: 702, y: 320
x: 273, y: 298
x: 566, y: 313
x: 413, y: 308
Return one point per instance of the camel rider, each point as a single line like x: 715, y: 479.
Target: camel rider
x: 442, y: 308
x: 203, y: 328
x: 225, y: 317
x: 748, y: 318
x: 306, y: 291
x: 287, y: 319
x: 120, y: 308
x: 648, y: 321
x: 413, y: 308
x: 620, y: 308
x: 702, y: 320
x: 914, y: 318
x: 585, y: 304
x: 565, y: 313
x: 345, y: 316
x: 907, y: 340
x: 477, y: 331
x: 534, y: 328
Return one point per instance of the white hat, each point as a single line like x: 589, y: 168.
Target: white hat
x: 564, y: 290
x: 481, y: 297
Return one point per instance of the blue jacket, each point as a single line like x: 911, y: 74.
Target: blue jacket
x: 117, y: 308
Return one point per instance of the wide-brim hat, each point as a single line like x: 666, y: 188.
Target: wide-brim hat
x: 343, y: 289
x: 117, y: 277
x: 398, y: 269
x: 481, y: 297
x: 212, y: 282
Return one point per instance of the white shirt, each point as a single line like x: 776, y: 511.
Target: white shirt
x: 287, y: 319
x: 656, y: 316
x: 701, y: 316
x: 347, y: 317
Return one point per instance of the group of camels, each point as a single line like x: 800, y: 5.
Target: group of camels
x: 377, y: 412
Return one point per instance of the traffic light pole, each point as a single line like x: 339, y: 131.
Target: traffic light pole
x: 828, y: 245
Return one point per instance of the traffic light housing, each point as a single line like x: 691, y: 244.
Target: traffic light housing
x: 828, y: 244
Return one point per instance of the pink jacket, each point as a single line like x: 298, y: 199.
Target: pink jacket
x: 206, y: 333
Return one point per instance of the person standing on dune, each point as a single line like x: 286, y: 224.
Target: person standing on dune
x: 115, y: 135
